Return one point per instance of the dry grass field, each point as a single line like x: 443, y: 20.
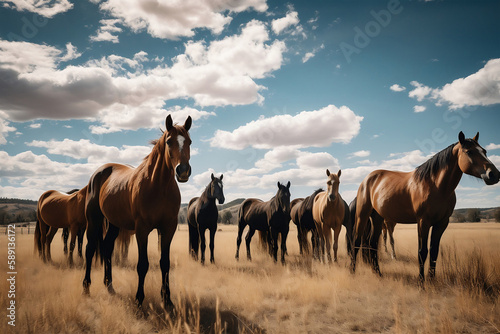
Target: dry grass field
x: 260, y: 296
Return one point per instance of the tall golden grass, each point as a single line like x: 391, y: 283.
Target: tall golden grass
x: 260, y: 296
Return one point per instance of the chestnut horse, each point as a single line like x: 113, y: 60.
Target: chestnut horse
x: 272, y: 217
x: 328, y: 213
x: 202, y: 214
x: 425, y: 196
x: 301, y: 214
x: 139, y: 199
x: 59, y: 210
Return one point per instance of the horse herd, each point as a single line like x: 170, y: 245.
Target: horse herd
x: 122, y: 198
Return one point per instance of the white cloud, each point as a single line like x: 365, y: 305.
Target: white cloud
x: 174, y: 19
x: 94, y: 153
x: 309, y: 128
x: 307, y: 56
x: 420, y: 91
x: 71, y: 53
x: 478, y: 89
x: 5, y: 128
x: 418, y: 109
x: 397, y: 88
x: 360, y: 154
x: 219, y: 73
x: 44, y: 8
x: 281, y: 24
x: 35, y: 126
x: 107, y: 31
x: 492, y: 146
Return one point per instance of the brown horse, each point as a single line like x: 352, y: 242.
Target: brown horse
x: 272, y: 217
x: 425, y: 196
x: 301, y: 214
x: 328, y: 213
x: 140, y: 199
x: 59, y: 210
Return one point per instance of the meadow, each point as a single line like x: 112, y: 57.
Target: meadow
x: 260, y: 296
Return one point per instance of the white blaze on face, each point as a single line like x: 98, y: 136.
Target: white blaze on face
x: 180, y: 140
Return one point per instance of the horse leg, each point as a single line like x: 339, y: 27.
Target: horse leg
x: 336, y: 232
x: 437, y: 232
x: 203, y: 244
x: 327, y: 234
x: 143, y: 264
x: 194, y: 241
x: 384, y: 234
x: 81, y: 233
x: 108, y: 247
x: 241, y: 227
x: 74, y: 232
x: 373, y: 243
x: 65, y: 235
x: 423, y: 236
x: 284, y: 235
x: 248, y: 239
x: 274, y: 235
x: 43, y: 238
x: 48, y: 242
x: 167, y: 233
x: 300, y: 238
x: 390, y: 229
x: 212, y: 243
x: 363, y: 211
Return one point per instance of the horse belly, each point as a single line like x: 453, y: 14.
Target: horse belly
x: 54, y: 213
x: 117, y: 212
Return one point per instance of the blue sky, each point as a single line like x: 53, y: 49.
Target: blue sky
x: 279, y: 91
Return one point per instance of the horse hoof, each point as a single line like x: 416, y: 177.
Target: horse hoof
x: 111, y: 290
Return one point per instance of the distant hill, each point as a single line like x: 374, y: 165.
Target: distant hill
x: 21, y: 210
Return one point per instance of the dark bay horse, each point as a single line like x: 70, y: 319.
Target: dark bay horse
x: 272, y: 217
x: 202, y: 214
x: 301, y: 214
x: 59, y: 210
x: 425, y: 196
x: 139, y: 199
x: 328, y: 214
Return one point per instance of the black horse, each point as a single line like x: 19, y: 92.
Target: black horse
x: 301, y: 214
x: 272, y: 217
x: 370, y: 238
x: 202, y: 214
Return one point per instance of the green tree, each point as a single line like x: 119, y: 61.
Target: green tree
x: 227, y: 217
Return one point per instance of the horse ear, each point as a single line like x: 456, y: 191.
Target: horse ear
x: 279, y: 184
x: 340, y: 172
x: 461, y: 137
x: 476, y: 137
x: 327, y: 172
x: 221, y: 176
x: 212, y: 176
x: 169, y: 124
x: 288, y: 185
x: 187, y: 123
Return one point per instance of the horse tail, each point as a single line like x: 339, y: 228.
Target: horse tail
x: 38, y: 238
x: 194, y: 240
x: 264, y: 241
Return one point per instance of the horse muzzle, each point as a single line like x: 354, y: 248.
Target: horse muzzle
x: 331, y: 197
x: 183, y: 172
x: 491, y: 176
x: 221, y: 200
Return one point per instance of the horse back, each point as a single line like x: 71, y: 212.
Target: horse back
x: 56, y: 208
x: 253, y: 212
x: 295, y: 206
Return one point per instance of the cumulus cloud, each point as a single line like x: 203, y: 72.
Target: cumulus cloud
x: 172, y: 20
x: 397, y: 88
x: 478, y: 89
x: 71, y: 53
x: 120, y: 93
x: 418, y: 109
x: 94, y: 153
x: 360, y: 154
x: 291, y: 19
x: 5, y: 128
x: 44, y: 8
x: 492, y: 146
x: 309, y: 128
x: 107, y: 31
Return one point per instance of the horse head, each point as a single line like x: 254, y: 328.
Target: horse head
x: 472, y: 160
x: 177, y: 147
x: 216, y: 189
x: 283, y: 196
x: 333, y: 185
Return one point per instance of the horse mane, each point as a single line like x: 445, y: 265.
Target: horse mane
x: 72, y: 191
x: 431, y: 167
x: 309, y: 200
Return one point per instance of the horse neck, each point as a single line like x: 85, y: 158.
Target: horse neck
x: 157, y: 167
x: 205, y: 199
x: 447, y: 179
